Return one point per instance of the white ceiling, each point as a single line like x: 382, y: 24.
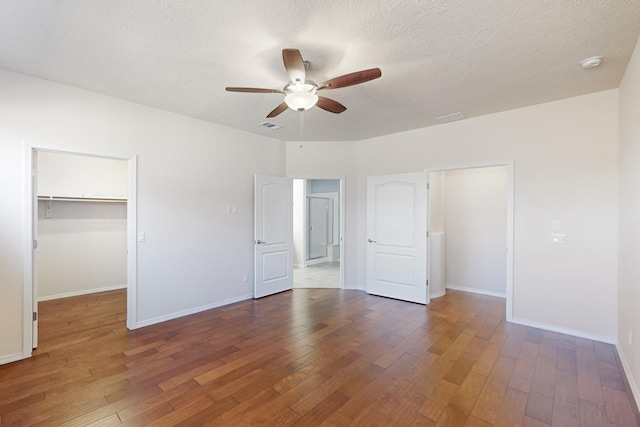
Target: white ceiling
x: 436, y: 57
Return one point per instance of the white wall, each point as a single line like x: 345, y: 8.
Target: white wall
x: 629, y: 222
x: 565, y: 163
x: 195, y: 254
x: 475, y: 226
x: 82, y: 246
x: 437, y: 181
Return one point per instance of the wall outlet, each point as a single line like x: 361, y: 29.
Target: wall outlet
x: 245, y: 277
x: 559, y: 239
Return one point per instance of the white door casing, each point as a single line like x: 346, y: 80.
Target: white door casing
x: 34, y: 270
x: 273, y: 235
x: 397, y: 236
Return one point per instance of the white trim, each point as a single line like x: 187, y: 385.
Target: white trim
x: 510, y: 221
x: 13, y: 358
x: 476, y: 291
x: 318, y: 261
x: 628, y: 373
x: 27, y: 263
x: 190, y: 311
x: 82, y: 292
x: 438, y: 295
x: 132, y: 242
x: 566, y: 331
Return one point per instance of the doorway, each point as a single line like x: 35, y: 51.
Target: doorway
x: 317, y: 222
x: 68, y: 214
x: 470, y: 218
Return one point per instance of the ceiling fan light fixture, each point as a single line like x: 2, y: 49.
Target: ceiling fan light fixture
x: 301, y: 94
x: 301, y: 101
x: 300, y: 97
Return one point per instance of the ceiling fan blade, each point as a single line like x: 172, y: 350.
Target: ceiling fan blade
x: 330, y: 105
x: 252, y: 90
x: 279, y: 109
x: 351, y: 79
x: 294, y: 65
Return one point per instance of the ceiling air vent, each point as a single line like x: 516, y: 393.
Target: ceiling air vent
x: 451, y: 117
x: 270, y: 125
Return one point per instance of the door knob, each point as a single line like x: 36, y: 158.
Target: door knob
x: 372, y: 241
x: 260, y: 242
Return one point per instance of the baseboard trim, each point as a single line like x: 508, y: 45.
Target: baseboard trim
x: 190, y: 311
x: 438, y: 295
x: 83, y: 292
x: 627, y: 371
x: 566, y: 331
x: 13, y: 358
x: 477, y: 291
x: 318, y: 261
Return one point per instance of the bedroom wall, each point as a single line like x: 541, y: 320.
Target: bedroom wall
x: 629, y: 223
x: 195, y: 254
x: 565, y: 166
x: 82, y: 246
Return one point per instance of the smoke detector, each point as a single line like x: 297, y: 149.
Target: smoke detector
x: 591, y: 62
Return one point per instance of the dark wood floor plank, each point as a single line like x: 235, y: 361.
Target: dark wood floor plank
x: 618, y: 408
x: 312, y: 357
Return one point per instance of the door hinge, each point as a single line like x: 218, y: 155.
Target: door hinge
x: 427, y: 233
x: 35, y: 316
x: 35, y: 244
x: 428, y: 186
x: 34, y: 172
x: 427, y: 283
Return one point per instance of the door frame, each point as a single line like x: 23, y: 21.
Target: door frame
x: 29, y: 297
x: 510, y: 221
x: 341, y: 214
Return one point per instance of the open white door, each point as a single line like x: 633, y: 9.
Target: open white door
x: 273, y: 231
x: 397, y: 237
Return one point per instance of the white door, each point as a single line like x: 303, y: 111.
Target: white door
x: 397, y: 237
x: 273, y: 234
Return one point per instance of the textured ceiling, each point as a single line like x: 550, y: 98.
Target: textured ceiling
x: 437, y: 57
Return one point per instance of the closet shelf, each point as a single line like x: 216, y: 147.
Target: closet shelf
x: 83, y: 199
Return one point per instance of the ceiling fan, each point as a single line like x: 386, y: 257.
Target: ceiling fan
x: 301, y: 94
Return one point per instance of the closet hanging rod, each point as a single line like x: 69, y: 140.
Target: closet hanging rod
x: 83, y: 199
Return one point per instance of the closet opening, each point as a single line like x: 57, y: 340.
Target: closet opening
x: 470, y: 220
x: 81, y: 236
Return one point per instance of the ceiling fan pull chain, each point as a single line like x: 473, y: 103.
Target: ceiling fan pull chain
x: 301, y: 123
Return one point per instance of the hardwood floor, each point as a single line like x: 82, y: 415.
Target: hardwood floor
x: 312, y: 357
